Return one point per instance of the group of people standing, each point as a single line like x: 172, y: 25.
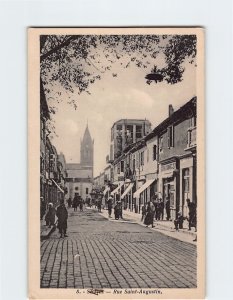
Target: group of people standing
x: 62, y: 216
x: 154, y: 211
x: 117, y: 208
x: 77, y: 202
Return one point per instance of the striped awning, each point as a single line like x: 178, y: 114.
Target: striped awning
x: 107, y: 188
x: 143, y: 187
x: 118, y: 188
x: 127, y: 190
x: 60, y: 189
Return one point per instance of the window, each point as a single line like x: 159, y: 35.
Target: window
x: 193, y: 121
x: 142, y: 158
x: 118, y: 168
x: 122, y: 166
x: 170, y: 136
x: 154, y: 152
x: 119, y: 127
x: 129, y: 134
x: 161, y: 144
x: 186, y: 180
x: 134, y: 164
x: 138, y: 131
x: 86, y: 191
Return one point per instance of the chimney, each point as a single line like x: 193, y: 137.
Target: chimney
x: 170, y: 110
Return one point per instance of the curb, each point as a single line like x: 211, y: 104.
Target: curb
x: 46, y: 233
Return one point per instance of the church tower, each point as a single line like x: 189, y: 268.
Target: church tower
x: 87, y: 149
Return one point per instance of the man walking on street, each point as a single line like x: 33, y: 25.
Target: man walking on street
x: 168, y: 210
x: 62, y: 216
x: 110, y: 206
x: 192, y: 214
x: 75, y: 202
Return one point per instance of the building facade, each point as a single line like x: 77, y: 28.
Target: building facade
x: 161, y: 164
x: 126, y: 132
x: 52, y: 166
x: 80, y: 175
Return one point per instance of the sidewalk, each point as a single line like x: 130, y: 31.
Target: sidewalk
x: 45, y: 231
x: 165, y: 227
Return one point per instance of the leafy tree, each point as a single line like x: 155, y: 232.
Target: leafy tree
x: 76, y: 61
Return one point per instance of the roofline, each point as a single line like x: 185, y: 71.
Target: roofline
x: 130, y: 120
x: 177, y: 115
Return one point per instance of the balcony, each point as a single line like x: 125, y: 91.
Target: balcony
x: 192, y: 138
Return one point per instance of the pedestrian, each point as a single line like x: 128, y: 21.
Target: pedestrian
x: 150, y: 211
x: 161, y: 209
x: 168, y: 209
x: 69, y: 202
x: 75, y: 202
x: 62, y: 216
x: 99, y: 204
x: 192, y: 214
x: 109, y: 203
x: 157, y: 210
x: 121, y: 210
x: 178, y: 222
x: 143, y: 213
x: 117, y: 211
x: 50, y: 216
x: 81, y: 204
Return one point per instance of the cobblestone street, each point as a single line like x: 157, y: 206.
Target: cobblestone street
x: 102, y: 253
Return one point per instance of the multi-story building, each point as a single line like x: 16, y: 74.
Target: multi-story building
x: 162, y: 164
x: 177, y: 157
x: 80, y: 175
x: 126, y: 132
x: 44, y: 116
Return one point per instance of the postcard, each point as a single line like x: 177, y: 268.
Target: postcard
x: 116, y: 156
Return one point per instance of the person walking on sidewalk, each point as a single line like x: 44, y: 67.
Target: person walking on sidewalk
x: 109, y: 203
x: 192, y: 214
x: 99, y: 204
x: 143, y: 213
x: 69, y: 202
x: 161, y: 209
x: 62, y: 216
x: 150, y: 211
x: 168, y: 209
x: 75, y: 202
x: 81, y: 204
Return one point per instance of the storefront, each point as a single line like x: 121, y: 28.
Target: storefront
x: 169, y: 185
x: 142, y: 195
x: 118, y: 191
x: 187, y: 182
x: 126, y: 197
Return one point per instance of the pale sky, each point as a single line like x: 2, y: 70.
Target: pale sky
x: 113, y: 98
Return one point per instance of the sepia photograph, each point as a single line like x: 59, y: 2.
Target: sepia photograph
x: 116, y: 163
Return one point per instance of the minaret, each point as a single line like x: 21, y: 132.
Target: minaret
x: 87, y: 149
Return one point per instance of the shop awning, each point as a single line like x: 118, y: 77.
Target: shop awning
x: 61, y: 190
x: 106, y: 190
x: 117, y: 189
x: 143, y: 187
x: 128, y: 189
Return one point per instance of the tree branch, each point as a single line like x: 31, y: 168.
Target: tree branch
x: 55, y: 49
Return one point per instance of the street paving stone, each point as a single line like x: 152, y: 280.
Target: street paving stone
x: 102, y: 253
